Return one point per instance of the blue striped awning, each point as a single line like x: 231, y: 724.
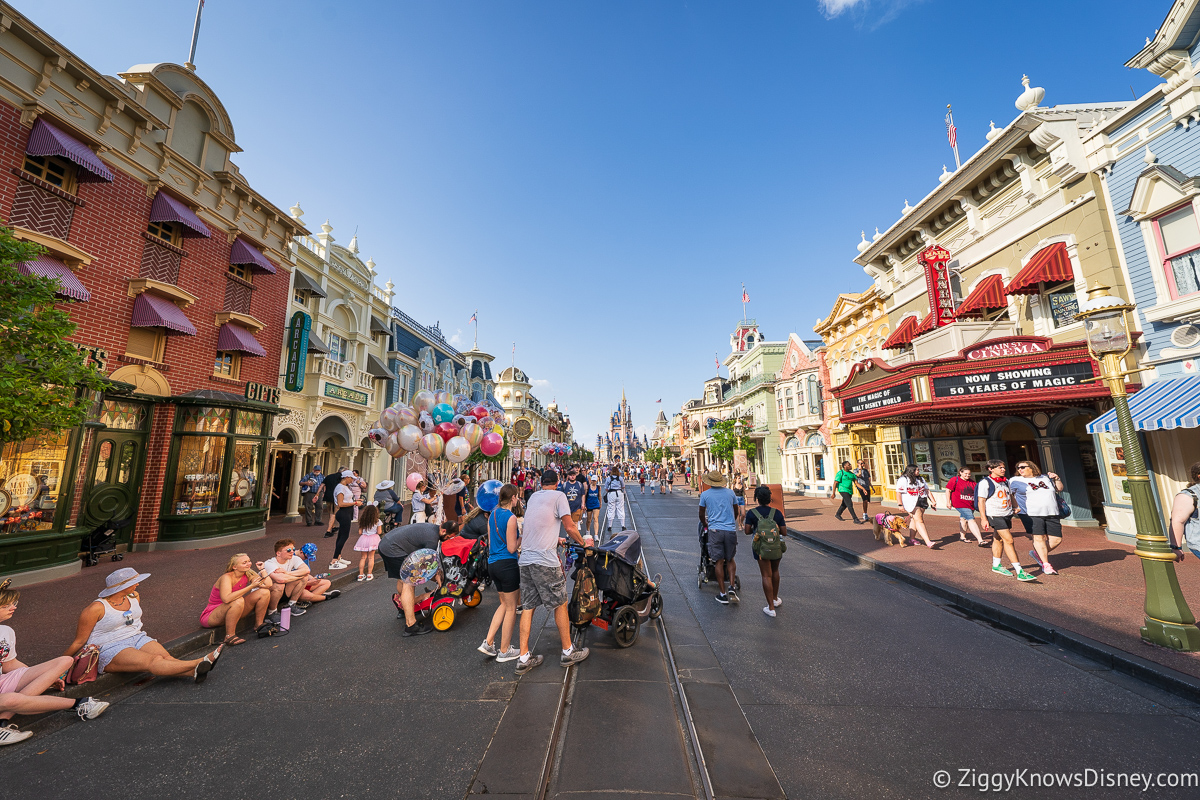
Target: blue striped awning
x: 1161, y: 406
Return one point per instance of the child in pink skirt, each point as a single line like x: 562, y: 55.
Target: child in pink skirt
x: 368, y: 541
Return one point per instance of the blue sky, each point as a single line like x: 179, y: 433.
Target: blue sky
x: 599, y: 178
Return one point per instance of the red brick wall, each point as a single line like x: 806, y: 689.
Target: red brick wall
x: 158, y: 449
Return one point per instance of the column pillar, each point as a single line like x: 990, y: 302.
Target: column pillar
x: 293, y: 503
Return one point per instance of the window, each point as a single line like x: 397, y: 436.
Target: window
x: 147, y: 343
x: 1062, y: 302
x: 53, y: 170
x: 894, y: 462
x: 814, y: 395
x: 228, y: 364
x: 790, y: 403
x: 1179, y: 238
x: 165, y: 231
x: 34, y: 471
x: 241, y: 271
x: 337, y: 348
x: 243, y: 480
x: 300, y: 297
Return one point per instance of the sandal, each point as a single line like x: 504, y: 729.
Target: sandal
x: 207, y: 663
x: 233, y: 641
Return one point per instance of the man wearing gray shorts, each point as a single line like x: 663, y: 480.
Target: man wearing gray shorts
x: 543, y: 582
x: 718, y: 514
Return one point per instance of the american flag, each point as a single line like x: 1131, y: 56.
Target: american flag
x: 951, y: 131
x: 475, y: 318
x: 745, y: 294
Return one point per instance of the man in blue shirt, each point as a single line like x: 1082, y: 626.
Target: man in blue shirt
x: 310, y: 485
x: 575, y: 490
x: 718, y: 513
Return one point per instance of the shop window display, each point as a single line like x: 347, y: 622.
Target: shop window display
x: 249, y: 423
x: 243, y: 480
x: 31, y: 477
x: 198, y: 474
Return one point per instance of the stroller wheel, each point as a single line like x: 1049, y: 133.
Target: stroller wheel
x: 92, y: 561
x: 473, y: 599
x: 119, y: 557
x: 656, y: 605
x: 443, y: 617
x: 737, y: 583
x: 625, y: 626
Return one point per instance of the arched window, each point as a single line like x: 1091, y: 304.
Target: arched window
x: 814, y: 440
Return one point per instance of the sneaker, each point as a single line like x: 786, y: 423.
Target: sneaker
x: 778, y: 602
x: 732, y: 595
x: 487, y: 649
x: 525, y: 666
x: 770, y: 612
x: 574, y: 657
x: 274, y: 617
x: 838, y: 518
x: 722, y: 599
x: 298, y: 611
x: 332, y: 594
x: 370, y: 577
x: 335, y: 565
x: 1022, y: 575
x: 90, y: 707
x: 511, y: 654
x: 302, y: 603
x: 1000, y: 570
x: 360, y: 578
x: 1037, y: 559
x: 11, y: 734
x: 1048, y: 570
x: 417, y: 629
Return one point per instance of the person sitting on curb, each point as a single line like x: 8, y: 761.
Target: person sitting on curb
x: 113, y: 623
x: 21, y: 686
x: 235, y: 595
x: 291, y: 578
x: 718, y: 513
x: 395, y: 547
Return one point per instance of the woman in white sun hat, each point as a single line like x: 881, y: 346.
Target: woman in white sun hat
x: 113, y: 623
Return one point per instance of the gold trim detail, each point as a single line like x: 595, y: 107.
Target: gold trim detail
x: 170, y: 291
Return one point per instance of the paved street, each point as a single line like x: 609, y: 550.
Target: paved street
x: 839, y: 701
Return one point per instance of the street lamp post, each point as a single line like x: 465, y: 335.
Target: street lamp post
x: 1168, y: 622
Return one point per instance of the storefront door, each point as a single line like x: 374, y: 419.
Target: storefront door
x: 281, y: 480
x: 111, y: 489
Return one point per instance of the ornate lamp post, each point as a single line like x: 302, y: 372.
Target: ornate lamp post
x: 1169, y: 622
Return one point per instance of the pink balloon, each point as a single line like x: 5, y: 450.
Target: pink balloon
x: 446, y: 430
x: 491, y: 444
x: 412, y: 480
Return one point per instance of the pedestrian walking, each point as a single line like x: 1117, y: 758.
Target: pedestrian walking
x: 844, y: 481
x: 1036, y: 496
x: 543, y: 582
x: 718, y: 514
x: 576, y: 491
x: 769, y: 530
x: 993, y: 498
x: 671, y: 481
x: 591, y: 504
x: 614, y: 495
x: 239, y: 592
x: 1185, y: 516
x: 395, y: 547
x: 862, y: 483
x: 916, y: 500
x: 504, y: 539
x: 344, y: 502
x: 310, y: 495
x: 21, y: 685
x: 328, y: 487
x: 962, y: 499
x: 642, y: 479
x: 368, y: 542
x: 113, y: 623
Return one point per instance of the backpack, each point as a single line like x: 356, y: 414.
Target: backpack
x: 585, y: 596
x: 767, y: 543
x: 1191, y: 530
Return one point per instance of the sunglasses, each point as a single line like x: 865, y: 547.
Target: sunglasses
x: 289, y: 549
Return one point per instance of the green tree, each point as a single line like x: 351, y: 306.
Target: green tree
x: 725, y: 441
x: 41, y: 373
x: 582, y: 455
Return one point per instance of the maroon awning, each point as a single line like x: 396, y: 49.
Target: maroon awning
x: 903, y: 334
x: 168, y: 209
x: 987, y: 295
x: 1049, y: 265
x: 47, y: 140
x: 243, y: 252
x: 235, y: 337
x: 152, y: 311
x: 69, y: 284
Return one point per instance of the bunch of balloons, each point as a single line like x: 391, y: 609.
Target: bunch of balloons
x: 440, y: 425
x: 555, y: 449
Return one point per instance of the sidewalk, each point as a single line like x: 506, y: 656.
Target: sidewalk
x: 172, y: 598
x: 1099, y: 592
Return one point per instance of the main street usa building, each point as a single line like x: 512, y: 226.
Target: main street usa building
x: 175, y: 271
x: 981, y: 281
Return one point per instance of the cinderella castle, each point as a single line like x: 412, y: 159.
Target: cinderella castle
x: 620, y: 443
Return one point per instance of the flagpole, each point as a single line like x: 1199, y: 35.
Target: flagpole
x: 195, y: 36
x: 954, y: 144
x: 476, y: 329
x: 743, y: 302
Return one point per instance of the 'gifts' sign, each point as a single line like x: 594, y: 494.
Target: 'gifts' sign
x: 937, y: 280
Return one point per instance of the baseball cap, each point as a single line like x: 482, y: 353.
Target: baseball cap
x: 549, y: 477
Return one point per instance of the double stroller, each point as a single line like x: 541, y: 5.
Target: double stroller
x: 464, y: 577
x: 707, y: 570
x: 101, y: 541
x: 611, y: 589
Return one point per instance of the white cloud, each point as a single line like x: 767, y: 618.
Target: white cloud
x: 457, y: 339
x: 641, y: 430
x: 871, y: 13
x: 832, y: 8
x: 540, y: 384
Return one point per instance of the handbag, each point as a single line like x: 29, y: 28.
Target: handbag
x: 1064, y: 508
x: 86, y: 667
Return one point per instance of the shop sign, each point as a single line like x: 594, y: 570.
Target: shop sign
x: 92, y: 355
x: 262, y: 393
x: 297, y: 351
x: 891, y: 396
x: 1028, y: 379
x: 342, y: 393
x: 937, y: 281
x: 1016, y: 347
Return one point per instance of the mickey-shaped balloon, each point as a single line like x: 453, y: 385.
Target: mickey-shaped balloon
x: 426, y: 423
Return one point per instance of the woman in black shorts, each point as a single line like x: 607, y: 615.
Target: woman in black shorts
x: 503, y: 541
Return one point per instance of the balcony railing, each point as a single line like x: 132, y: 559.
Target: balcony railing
x: 752, y: 383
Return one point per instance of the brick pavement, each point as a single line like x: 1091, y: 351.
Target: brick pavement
x: 1099, y: 591
x: 172, y: 598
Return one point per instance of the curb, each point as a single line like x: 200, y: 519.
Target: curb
x: 1114, y: 658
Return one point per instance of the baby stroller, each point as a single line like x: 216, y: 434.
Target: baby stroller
x: 391, y: 516
x: 707, y: 571
x: 611, y: 590
x: 464, y: 575
x: 100, y: 542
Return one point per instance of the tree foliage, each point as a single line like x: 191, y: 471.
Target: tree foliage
x: 725, y: 441
x: 41, y: 373
x: 582, y: 455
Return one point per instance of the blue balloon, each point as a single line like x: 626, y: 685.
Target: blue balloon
x: 442, y: 412
x: 488, y: 495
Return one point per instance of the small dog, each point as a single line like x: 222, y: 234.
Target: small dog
x: 885, y: 526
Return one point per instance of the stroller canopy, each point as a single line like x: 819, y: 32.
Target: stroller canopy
x: 625, y: 546
x: 457, y: 546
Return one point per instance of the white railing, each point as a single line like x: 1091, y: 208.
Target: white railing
x: 312, y: 245
x: 380, y: 294
x: 365, y: 381
x: 331, y: 369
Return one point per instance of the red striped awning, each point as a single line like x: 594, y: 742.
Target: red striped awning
x: 47, y: 140
x: 903, y: 334
x: 927, y: 324
x: 243, y: 252
x: 69, y: 284
x: 235, y: 337
x: 987, y: 295
x: 1049, y: 265
x: 152, y: 311
x: 168, y: 209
